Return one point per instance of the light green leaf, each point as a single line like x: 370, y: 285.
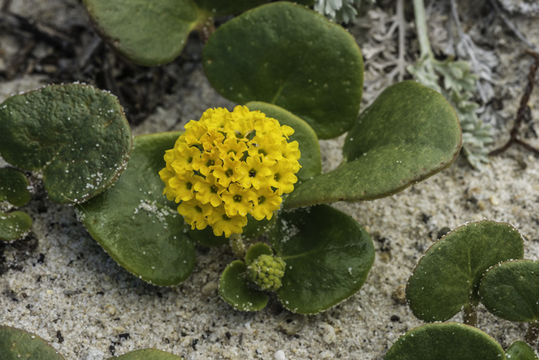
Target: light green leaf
x: 14, y: 187
x: 235, y: 289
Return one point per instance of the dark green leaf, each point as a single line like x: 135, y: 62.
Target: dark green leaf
x: 17, y: 344
x: 519, y: 350
x: 409, y: 133
x: 136, y: 224
x: 447, y: 277
x: 236, y: 290
x: 14, y: 187
x: 75, y: 134
x: 256, y: 250
x: 14, y: 225
x: 510, y: 290
x: 285, y: 54
x: 327, y: 254
x: 146, y: 32
x: 147, y: 354
x: 310, y: 160
x: 448, y: 341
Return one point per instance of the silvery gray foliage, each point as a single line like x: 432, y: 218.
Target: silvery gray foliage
x: 455, y: 80
x: 341, y: 11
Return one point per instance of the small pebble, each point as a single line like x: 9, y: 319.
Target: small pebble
x: 279, y: 355
x: 209, y: 288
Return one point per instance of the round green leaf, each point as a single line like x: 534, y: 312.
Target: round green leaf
x: 409, y: 133
x: 14, y: 187
x: 220, y: 7
x: 236, y: 290
x: 75, y: 134
x: 519, y: 350
x: 256, y: 250
x: 135, y: 223
x: 288, y: 55
x: 147, y: 354
x: 327, y: 254
x: 511, y: 290
x: 14, y: 225
x: 146, y: 32
x: 311, y: 163
x: 447, y: 277
x: 448, y: 341
x: 17, y: 344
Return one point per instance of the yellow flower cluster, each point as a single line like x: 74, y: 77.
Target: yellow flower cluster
x: 228, y: 165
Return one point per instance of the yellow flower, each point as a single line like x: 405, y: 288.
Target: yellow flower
x: 228, y: 165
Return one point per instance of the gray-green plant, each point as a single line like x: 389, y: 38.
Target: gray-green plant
x: 16, y: 344
x: 278, y: 58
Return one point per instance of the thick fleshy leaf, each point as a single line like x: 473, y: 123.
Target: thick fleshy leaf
x: 448, y: 341
x: 409, y: 133
x: 14, y: 187
x: 236, y: 290
x: 147, y: 354
x: 448, y: 276
x: 146, y: 32
x: 75, y: 134
x: 510, y: 290
x: 256, y: 250
x: 14, y: 225
x: 311, y: 163
x: 327, y: 254
x: 285, y: 54
x: 136, y: 224
x: 519, y: 350
x: 220, y: 7
x: 17, y: 344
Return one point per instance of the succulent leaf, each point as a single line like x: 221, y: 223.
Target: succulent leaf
x: 256, y: 250
x: 17, y: 344
x: 510, y: 290
x: 14, y: 187
x: 236, y: 290
x: 447, y: 341
x: 409, y: 133
x: 14, y: 225
x: 75, y: 134
x: 447, y: 277
x: 147, y: 354
x: 135, y: 223
x: 147, y: 33
x: 519, y: 350
x: 311, y: 163
x: 327, y: 254
x: 292, y: 57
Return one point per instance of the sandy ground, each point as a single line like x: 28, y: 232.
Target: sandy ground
x: 61, y: 285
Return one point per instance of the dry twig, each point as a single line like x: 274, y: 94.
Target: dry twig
x: 523, y: 111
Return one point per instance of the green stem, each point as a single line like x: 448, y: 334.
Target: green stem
x: 533, y: 333
x: 421, y: 27
x: 470, y: 314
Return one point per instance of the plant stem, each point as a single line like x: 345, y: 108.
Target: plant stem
x: 421, y: 27
x: 533, y: 333
x: 470, y: 314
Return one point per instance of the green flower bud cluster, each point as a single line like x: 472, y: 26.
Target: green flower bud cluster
x: 266, y: 272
